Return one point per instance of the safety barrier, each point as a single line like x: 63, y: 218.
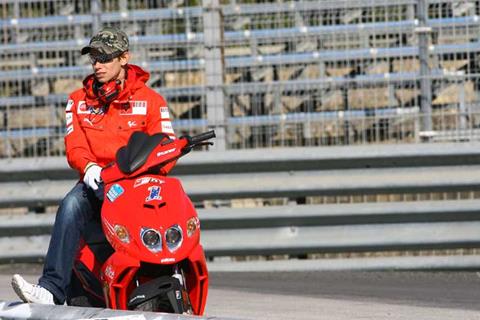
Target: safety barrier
x: 292, y: 173
x: 295, y: 230
x: 17, y: 311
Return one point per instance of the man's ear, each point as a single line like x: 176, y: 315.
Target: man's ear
x: 124, y: 58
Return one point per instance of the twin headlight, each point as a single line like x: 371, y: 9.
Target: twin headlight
x: 152, y: 238
x: 173, y: 238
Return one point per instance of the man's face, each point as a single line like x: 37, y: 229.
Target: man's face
x: 108, y: 67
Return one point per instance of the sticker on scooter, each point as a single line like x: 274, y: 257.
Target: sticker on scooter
x: 115, y: 191
x: 145, y: 180
x: 109, y: 272
x: 154, y: 193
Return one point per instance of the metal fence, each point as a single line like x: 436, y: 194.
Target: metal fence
x: 262, y: 73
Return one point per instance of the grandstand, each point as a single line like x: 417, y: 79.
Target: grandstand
x: 262, y: 73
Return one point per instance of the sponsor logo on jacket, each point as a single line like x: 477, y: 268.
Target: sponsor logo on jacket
x: 68, y: 118
x: 135, y: 108
x: 69, y: 106
x: 167, y: 127
x: 82, y: 108
x: 164, y: 113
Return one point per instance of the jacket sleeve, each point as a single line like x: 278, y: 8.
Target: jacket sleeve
x: 77, y: 148
x: 158, y: 120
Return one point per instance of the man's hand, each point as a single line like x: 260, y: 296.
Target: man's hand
x: 92, y: 175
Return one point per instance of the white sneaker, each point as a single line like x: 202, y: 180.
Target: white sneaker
x: 31, y: 292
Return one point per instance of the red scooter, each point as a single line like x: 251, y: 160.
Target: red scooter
x: 145, y: 253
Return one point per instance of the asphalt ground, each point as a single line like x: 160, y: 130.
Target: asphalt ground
x: 327, y: 295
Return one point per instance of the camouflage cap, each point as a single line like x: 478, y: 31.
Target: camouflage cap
x: 108, y: 40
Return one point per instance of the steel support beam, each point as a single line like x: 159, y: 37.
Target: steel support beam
x: 96, y: 10
x: 424, y: 31
x: 215, y: 71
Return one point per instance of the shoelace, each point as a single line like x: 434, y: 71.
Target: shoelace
x: 41, y: 293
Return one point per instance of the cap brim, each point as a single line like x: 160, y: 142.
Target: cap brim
x: 86, y: 50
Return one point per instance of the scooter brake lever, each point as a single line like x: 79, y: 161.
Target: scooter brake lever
x: 207, y: 143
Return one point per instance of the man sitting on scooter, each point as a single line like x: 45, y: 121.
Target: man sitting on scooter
x: 100, y: 117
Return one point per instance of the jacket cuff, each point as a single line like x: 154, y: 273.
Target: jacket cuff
x: 90, y: 164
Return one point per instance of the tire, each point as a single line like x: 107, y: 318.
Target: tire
x: 157, y: 304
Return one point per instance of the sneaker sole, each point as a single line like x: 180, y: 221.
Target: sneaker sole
x: 18, y: 291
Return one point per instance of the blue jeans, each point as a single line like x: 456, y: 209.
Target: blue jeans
x: 75, y: 210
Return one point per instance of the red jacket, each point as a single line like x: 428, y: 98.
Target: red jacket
x: 94, y: 134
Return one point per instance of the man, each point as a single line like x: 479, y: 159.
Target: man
x: 113, y: 103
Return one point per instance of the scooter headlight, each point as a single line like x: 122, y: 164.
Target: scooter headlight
x: 151, y: 239
x: 173, y: 238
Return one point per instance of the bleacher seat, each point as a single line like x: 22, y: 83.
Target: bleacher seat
x: 405, y: 95
x: 181, y: 79
x: 332, y: 100
x: 179, y: 109
x: 453, y: 65
x: 370, y: 98
x: 452, y: 94
x: 324, y: 55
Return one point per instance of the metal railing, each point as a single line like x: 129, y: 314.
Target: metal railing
x: 27, y: 311
x: 294, y: 229
x: 297, y: 231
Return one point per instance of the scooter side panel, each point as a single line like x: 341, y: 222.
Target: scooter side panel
x: 197, y: 280
x: 117, y: 279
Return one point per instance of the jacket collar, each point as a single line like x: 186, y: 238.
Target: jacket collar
x: 135, y: 79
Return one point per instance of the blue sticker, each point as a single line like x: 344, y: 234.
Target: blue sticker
x: 115, y: 191
x: 154, y: 193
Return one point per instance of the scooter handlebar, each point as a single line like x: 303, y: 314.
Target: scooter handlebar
x: 202, y: 137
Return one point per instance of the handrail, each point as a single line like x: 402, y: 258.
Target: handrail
x: 236, y: 36
x: 261, y: 60
x: 299, y: 117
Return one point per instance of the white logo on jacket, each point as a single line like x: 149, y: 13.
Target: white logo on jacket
x: 69, y: 106
x: 139, y: 107
x: 132, y: 123
x: 164, y: 113
x: 167, y: 127
x: 68, y: 118
x: 136, y: 107
x: 82, y: 108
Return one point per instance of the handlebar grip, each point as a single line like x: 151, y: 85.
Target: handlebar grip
x: 203, y: 136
